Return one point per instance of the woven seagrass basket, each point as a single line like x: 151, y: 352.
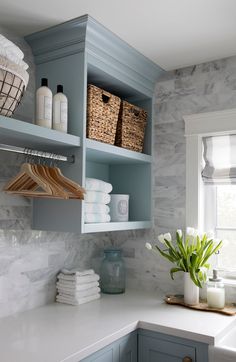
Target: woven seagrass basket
x: 131, y: 127
x: 102, y: 114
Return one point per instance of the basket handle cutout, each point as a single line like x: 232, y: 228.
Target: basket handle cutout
x: 105, y: 97
x: 136, y: 112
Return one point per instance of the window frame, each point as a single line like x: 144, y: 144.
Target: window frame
x: 198, y: 126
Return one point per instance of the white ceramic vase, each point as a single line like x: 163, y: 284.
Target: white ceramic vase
x: 191, y: 291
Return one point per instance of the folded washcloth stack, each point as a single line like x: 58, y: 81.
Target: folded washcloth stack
x: 96, y: 199
x: 77, y: 287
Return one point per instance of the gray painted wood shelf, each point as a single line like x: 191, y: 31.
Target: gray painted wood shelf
x: 115, y: 226
x: 105, y: 153
x: 23, y: 134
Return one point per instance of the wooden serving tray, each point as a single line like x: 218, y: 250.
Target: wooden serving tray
x: 179, y: 300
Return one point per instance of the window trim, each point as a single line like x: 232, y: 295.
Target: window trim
x: 198, y: 126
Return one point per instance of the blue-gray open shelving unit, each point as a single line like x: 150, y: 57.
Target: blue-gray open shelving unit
x: 76, y: 53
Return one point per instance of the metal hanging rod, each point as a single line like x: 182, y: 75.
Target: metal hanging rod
x: 42, y: 154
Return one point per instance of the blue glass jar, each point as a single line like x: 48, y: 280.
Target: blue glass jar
x: 112, y: 272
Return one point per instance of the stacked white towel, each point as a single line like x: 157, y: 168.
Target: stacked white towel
x: 10, y: 51
x: 11, y: 60
x: 96, y: 199
x: 77, y: 287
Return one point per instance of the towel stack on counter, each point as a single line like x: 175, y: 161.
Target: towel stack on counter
x: 96, y: 199
x: 77, y: 287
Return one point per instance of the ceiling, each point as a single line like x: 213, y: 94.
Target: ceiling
x: 172, y: 33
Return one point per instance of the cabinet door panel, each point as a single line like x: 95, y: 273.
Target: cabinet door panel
x: 154, y: 356
x: 122, y: 350
x: 158, y: 350
x: 128, y: 349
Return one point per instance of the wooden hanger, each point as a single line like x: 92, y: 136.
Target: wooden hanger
x: 76, y: 191
x: 25, y: 180
x: 22, y: 180
x: 31, y: 183
x: 59, y: 184
x: 36, y: 180
x: 57, y: 190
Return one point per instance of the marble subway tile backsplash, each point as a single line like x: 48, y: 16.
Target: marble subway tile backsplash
x: 30, y: 260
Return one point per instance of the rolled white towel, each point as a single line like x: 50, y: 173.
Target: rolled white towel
x: 73, y: 279
x: 97, y: 197
x: 14, y: 68
x: 9, y: 45
x: 80, y: 294
x: 96, y: 218
x: 93, y: 184
x: 12, y: 52
x: 11, y: 57
x: 77, y: 272
x: 65, y: 285
x: 93, y: 208
x: 76, y: 301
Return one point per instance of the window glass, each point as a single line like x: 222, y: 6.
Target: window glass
x: 225, y: 224
x: 226, y: 206
x: 227, y: 256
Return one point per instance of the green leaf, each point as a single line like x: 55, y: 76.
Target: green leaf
x: 181, y: 264
x: 182, y: 249
x: 195, y: 278
x: 165, y: 255
x: 218, y: 246
x: 193, y: 260
x: 171, y: 249
x: 210, y: 251
x: 174, y: 270
x: 178, y: 239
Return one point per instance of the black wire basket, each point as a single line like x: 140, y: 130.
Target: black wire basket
x: 12, y: 90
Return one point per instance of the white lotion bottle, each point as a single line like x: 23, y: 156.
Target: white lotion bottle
x: 60, y: 110
x: 44, y: 105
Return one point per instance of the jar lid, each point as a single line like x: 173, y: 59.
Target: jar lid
x: 215, y: 277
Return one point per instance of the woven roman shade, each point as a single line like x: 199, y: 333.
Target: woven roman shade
x: 219, y: 159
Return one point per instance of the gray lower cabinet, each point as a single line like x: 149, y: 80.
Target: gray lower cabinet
x: 158, y: 347
x: 123, y: 350
x: 146, y: 346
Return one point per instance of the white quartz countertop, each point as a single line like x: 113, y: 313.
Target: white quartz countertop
x: 59, y: 332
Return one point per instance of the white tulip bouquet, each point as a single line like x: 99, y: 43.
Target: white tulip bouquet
x: 190, y: 252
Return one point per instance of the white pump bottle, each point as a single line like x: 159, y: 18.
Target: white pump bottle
x: 44, y: 105
x: 60, y: 110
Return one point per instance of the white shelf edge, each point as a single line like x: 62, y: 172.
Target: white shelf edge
x: 15, y: 126
x: 116, y: 226
x: 118, y: 152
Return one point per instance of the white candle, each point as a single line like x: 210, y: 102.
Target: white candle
x: 216, y: 297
